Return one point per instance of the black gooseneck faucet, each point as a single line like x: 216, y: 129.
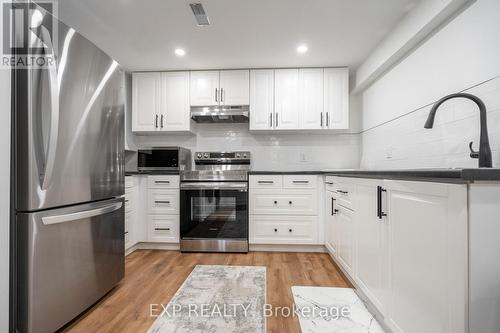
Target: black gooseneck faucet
x: 484, y: 153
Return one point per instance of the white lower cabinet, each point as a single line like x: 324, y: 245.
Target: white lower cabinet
x: 163, y: 228
x: 131, y: 216
x: 163, y: 209
x: 283, y: 230
x: 404, y: 245
x: 284, y: 210
x: 372, y: 234
x: 345, y: 234
x: 331, y: 222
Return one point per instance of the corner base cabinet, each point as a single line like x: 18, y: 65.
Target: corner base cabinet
x: 404, y: 245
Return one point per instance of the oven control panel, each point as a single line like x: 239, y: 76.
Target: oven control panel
x: 222, y: 156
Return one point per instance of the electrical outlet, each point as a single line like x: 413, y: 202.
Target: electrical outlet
x: 303, y: 157
x: 389, y: 153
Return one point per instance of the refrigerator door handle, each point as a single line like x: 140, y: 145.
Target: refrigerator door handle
x: 81, y: 215
x: 44, y: 36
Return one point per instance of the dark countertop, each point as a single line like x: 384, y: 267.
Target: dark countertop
x: 252, y: 172
x: 432, y: 175
x: 151, y: 173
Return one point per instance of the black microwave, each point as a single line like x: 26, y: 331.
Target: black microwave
x: 164, y: 159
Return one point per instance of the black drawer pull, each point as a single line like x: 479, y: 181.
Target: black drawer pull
x: 275, y: 202
x: 162, y: 229
x: 343, y: 192
x: 275, y: 230
x: 162, y: 181
x: 300, y: 182
x: 289, y: 230
x: 265, y: 182
x: 289, y: 202
x: 162, y: 201
x: 126, y: 232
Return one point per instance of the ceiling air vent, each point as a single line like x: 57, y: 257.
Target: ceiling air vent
x: 199, y: 14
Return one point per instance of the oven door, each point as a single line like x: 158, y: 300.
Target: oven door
x: 214, y: 211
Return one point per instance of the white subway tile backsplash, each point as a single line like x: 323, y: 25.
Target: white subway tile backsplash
x: 269, y: 151
x: 444, y: 146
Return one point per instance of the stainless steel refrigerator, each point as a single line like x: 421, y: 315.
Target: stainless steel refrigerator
x: 68, y: 183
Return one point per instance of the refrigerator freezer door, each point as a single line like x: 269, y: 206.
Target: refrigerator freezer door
x: 69, y: 119
x: 68, y: 258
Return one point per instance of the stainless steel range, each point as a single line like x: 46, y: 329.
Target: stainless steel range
x: 214, y: 203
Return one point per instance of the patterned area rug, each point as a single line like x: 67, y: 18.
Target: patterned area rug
x: 217, y: 299
x: 329, y: 310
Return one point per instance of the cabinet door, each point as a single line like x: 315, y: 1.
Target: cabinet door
x: 311, y: 99
x: 330, y: 214
x: 336, y: 98
x: 372, y: 256
x: 235, y: 87
x: 145, y: 101
x: 286, y: 99
x: 204, y: 88
x: 261, y: 99
x: 345, y: 228
x: 428, y: 256
x: 175, y: 101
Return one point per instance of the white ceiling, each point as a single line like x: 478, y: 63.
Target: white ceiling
x: 142, y: 34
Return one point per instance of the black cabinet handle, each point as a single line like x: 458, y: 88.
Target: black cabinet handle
x: 162, y: 182
x: 289, y: 230
x: 275, y: 230
x: 275, y: 202
x: 334, y: 211
x: 162, y: 229
x: 289, y: 202
x: 162, y: 201
x: 265, y: 182
x: 380, y: 212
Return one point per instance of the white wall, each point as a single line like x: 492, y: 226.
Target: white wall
x: 269, y: 151
x: 464, y: 54
x: 4, y: 197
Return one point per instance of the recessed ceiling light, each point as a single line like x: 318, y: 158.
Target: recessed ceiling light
x: 180, y: 52
x: 302, y: 49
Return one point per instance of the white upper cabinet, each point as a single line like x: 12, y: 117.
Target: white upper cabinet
x: 145, y: 101
x: 261, y: 99
x: 160, y: 102
x: 205, y: 88
x: 286, y: 99
x: 234, y: 87
x: 311, y: 113
x: 336, y: 98
x: 175, y: 101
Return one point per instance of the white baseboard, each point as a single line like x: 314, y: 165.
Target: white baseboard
x: 287, y: 248
x: 252, y: 247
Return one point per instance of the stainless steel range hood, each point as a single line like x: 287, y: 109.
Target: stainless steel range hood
x: 220, y: 114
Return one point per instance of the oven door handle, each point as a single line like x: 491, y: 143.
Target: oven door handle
x: 214, y: 186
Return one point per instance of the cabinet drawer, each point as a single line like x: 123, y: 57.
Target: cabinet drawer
x: 163, y: 182
x: 345, y: 194
x: 266, y: 181
x: 281, y: 202
x: 163, y: 228
x: 163, y: 201
x: 300, y: 181
x: 283, y: 229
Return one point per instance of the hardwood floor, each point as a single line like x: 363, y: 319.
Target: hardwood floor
x: 153, y: 277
